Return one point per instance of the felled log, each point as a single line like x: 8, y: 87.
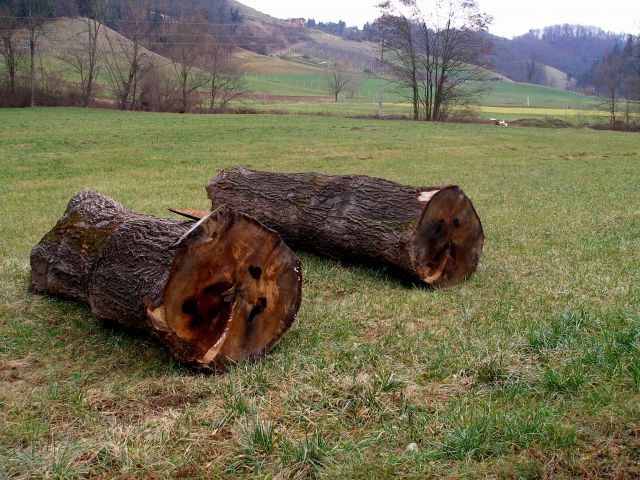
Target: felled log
x: 221, y: 290
x: 430, y: 234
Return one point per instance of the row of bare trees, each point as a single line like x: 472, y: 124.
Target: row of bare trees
x: 83, y: 53
x: 192, y: 66
x: 200, y: 61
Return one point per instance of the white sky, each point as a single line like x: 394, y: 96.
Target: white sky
x: 511, y: 17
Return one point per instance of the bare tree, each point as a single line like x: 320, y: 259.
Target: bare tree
x: 608, y: 76
x: 436, y: 55
x: 402, y: 55
x: 337, y: 79
x: 634, y: 65
x: 635, y: 60
x: 535, y: 71
x: 83, y: 54
x: 226, y: 83
x: 631, y: 80
x: 125, y: 58
x: 188, y: 50
x: 380, y: 70
x: 353, y: 85
x: 159, y: 91
x: 34, y: 13
x: 9, y: 24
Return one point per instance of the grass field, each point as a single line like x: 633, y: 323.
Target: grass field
x: 530, y: 369
x: 318, y: 106
x: 498, y: 94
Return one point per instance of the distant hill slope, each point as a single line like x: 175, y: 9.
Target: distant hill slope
x: 59, y: 35
x: 266, y: 35
x: 249, y: 28
x: 556, y: 79
x: 253, y: 14
x: 570, y: 49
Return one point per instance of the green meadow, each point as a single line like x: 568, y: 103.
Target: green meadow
x: 530, y: 369
x: 496, y: 94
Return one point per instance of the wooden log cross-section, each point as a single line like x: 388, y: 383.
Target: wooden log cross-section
x: 430, y: 235
x: 220, y: 290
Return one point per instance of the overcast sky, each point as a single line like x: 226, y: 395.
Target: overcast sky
x: 511, y: 17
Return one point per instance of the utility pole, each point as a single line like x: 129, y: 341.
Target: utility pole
x: 381, y: 85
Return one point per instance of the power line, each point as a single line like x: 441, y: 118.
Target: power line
x: 168, y: 22
x: 173, y: 43
x: 206, y: 35
x: 191, y: 43
x: 50, y: 45
x: 203, y: 35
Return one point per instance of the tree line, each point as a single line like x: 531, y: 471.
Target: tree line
x: 369, y: 31
x: 167, y: 57
x: 569, y: 48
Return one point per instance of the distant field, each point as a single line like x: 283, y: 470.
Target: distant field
x: 507, y: 94
x: 531, y: 369
x: 350, y: 108
x: 516, y: 94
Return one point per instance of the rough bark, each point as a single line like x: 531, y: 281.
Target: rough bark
x: 223, y: 289
x: 430, y: 234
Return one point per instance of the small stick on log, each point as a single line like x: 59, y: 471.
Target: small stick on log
x: 431, y: 234
x: 224, y: 289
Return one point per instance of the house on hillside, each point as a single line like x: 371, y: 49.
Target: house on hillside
x: 298, y: 22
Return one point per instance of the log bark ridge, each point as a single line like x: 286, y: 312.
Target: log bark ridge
x: 431, y: 235
x: 220, y: 290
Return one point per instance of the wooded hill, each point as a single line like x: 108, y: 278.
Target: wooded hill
x: 569, y: 49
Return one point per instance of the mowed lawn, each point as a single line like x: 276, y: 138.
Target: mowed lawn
x: 529, y: 369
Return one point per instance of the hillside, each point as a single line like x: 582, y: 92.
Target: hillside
x: 282, y: 63
x: 297, y: 72
x: 60, y: 35
x: 568, y: 49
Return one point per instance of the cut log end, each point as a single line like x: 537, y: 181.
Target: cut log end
x: 233, y: 291
x: 449, y: 237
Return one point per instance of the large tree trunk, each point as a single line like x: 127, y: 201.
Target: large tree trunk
x: 221, y: 290
x: 430, y: 234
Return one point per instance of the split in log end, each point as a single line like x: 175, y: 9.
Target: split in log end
x: 449, y: 237
x: 188, y: 213
x: 233, y: 291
